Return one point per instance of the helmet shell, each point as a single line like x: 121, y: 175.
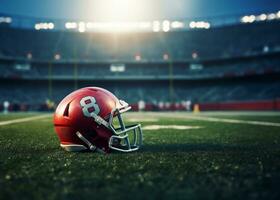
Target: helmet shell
x: 70, y: 117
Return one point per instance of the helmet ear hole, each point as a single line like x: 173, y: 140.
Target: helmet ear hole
x: 66, y: 111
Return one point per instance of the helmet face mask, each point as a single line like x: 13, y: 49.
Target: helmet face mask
x: 129, y: 137
x: 91, y: 119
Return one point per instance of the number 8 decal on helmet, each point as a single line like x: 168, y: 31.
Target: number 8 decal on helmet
x: 86, y: 106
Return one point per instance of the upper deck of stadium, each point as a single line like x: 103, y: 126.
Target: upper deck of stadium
x: 222, y: 37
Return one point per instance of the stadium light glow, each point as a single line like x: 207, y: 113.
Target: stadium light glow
x: 165, y: 56
x: 137, y: 57
x: 119, y: 10
x: 271, y: 16
x: 108, y: 26
x: 82, y: 27
x: 50, y: 25
x: 7, y: 20
x: 44, y: 26
x: 207, y: 25
x: 177, y: 24
x: 165, y: 25
x: 278, y: 14
x: 29, y: 55
x: 244, y: 19
x: 70, y: 25
x: 89, y: 25
x: 192, y: 24
x: 156, y: 26
x: 262, y: 17
x: 251, y: 18
x: 248, y: 19
x: 199, y: 25
x: 119, y: 26
x: 145, y: 25
x: 57, y: 56
x: 118, y: 16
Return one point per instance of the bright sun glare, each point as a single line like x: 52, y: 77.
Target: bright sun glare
x: 120, y: 10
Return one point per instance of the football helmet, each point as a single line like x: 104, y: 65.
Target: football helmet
x: 91, y: 119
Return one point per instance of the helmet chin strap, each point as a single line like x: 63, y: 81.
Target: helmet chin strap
x: 90, y: 145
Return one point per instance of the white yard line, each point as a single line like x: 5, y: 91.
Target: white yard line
x: 203, y: 117
x: 173, y: 115
x: 25, y: 119
x: 233, y: 121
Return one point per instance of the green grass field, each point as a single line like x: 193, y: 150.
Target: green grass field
x: 218, y: 160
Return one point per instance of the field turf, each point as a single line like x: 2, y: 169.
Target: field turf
x: 218, y: 160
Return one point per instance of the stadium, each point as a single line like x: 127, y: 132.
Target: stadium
x: 237, y: 68
x: 206, y: 91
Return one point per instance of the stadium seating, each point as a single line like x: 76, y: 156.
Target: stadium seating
x: 231, y: 65
x: 221, y: 42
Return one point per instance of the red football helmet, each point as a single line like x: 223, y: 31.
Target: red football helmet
x: 87, y: 118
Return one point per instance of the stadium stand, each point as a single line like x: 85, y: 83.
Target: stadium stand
x: 223, y: 64
x: 230, y: 41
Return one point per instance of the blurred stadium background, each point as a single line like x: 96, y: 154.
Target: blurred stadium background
x: 158, y: 55
x: 227, y: 62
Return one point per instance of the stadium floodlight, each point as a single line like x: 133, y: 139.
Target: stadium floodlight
x: 244, y: 19
x: 138, y: 57
x: 29, y: 55
x: 7, y: 20
x: 262, y: 17
x: 200, y: 24
x: 71, y: 25
x: 165, y: 25
x: 252, y: 18
x: 44, y: 26
x: 207, y: 25
x: 192, y: 24
x: 194, y: 55
x: 50, y: 25
x: 248, y: 19
x: 177, y: 24
x: 37, y: 27
x: 165, y: 56
x: 271, y: 16
x: 82, y: 27
x: 278, y: 14
x: 156, y: 26
x: 57, y: 56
